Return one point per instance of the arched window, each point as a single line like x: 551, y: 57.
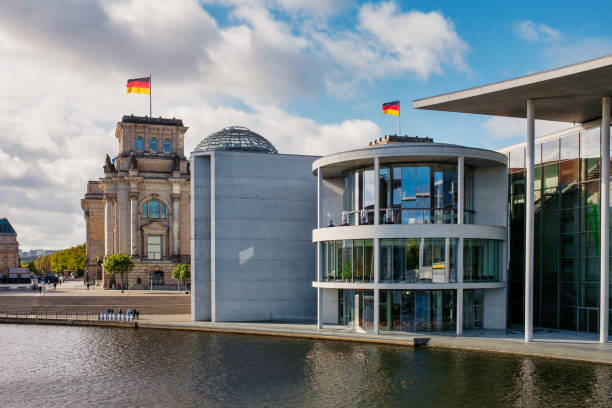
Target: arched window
x: 139, y: 143
x: 153, y: 209
x: 153, y: 144
x: 167, y: 146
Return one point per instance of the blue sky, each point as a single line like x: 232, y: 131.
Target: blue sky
x: 309, y: 75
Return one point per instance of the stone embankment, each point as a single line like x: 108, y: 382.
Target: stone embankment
x: 147, y: 304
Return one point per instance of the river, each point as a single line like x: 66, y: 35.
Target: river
x: 60, y: 366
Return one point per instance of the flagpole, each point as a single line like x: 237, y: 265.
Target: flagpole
x: 399, y: 112
x: 150, y: 95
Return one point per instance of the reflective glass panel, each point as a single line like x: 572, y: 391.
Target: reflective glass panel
x: 569, y: 147
x: 550, y: 151
x: 167, y: 146
x: 517, y: 159
x: 153, y: 144
x: 139, y: 143
x: 589, y: 143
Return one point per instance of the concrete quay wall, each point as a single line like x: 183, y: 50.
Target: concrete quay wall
x: 146, y: 304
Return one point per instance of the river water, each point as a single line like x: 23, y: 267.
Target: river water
x: 61, y: 366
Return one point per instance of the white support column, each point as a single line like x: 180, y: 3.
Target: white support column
x: 461, y: 189
x: 108, y: 224
x: 447, y: 260
x: 376, y: 190
x: 376, y: 281
x: 529, y: 162
x: 459, y: 311
x: 134, y: 223
x: 376, y: 243
x: 604, y: 298
x: 318, y: 257
x: 356, y: 314
x: 176, y: 222
x: 319, y: 188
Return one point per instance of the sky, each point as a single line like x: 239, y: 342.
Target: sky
x: 309, y: 75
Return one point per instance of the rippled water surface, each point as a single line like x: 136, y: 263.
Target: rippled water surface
x: 57, y: 366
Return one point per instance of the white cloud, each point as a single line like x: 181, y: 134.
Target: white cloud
x: 502, y: 128
x: 532, y: 32
x: 414, y: 41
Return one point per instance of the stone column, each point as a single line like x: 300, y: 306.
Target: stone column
x: 133, y: 223
x: 108, y: 224
x: 116, y: 226
x: 176, y: 221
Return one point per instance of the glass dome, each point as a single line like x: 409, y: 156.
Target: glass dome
x: 236, y: 138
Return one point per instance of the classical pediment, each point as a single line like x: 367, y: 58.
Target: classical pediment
x: 155, y: 227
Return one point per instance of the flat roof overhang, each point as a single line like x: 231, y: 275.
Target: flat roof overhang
x: 568, y: 94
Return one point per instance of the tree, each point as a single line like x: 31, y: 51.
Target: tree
x: 118, y: 263
x: 182, y: 272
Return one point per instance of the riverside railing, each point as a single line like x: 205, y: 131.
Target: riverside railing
x: 85, y: 316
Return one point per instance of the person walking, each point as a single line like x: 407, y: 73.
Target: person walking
x: 54, y: 286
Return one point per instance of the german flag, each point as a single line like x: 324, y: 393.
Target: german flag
x: 139, y: 85
x: 391, y: 108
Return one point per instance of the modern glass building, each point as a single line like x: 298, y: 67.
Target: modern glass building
x: 567, y: 254
x: 411, y: 237
x: 559, y: 193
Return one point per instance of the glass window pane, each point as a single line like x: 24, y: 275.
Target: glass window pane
x: 589, y: 143
x: 413, y: 246
x: 550, y: 151
x: 162, y: 210
x: 145, y: 212
x: 386, y: 259
x: 368, y: 189
x: 569, y: 147
x: 139, y: 143
x: 369, y: 260
x: 550, y: 175
x: 569, y: 171
x: 399, y: 260
x: 153, y: 209
x: 347, y: 260
x: 385, y: 190
x: 153, y: 144
x: 154, y: 247
x: 358, y: 259
x: 517, y: 159
x: 537, y: 154
x: 167, y: 146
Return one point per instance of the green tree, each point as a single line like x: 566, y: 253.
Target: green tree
x: 118, y: 263
x: 182, y: 272
x: 32, y: 268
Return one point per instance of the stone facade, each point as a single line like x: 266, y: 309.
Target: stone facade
x: 9, y: 248
x: 141, y: 207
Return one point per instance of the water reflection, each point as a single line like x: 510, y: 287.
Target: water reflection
x: 76, y: 366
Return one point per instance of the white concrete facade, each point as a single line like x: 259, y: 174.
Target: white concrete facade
x: 488, y: 221
x: 252, y: 254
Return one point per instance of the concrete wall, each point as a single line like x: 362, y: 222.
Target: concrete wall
x: 490, y: 195
x: 200, y: 238
x: 330, y: 306
x: 263, y: 262
x: 495, y: 308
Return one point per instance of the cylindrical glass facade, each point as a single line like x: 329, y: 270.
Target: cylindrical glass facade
x: 348, y: 260
x: 418, y: 260
x: 410, y: 193
x: 417, y: 310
